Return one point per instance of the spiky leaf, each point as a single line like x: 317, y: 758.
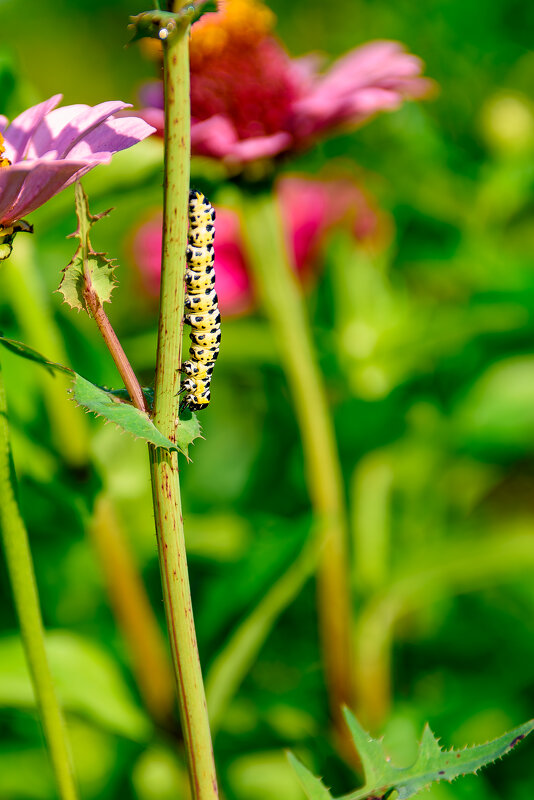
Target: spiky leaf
x: 89, y: 273
x: 112, y: 405
x: 432, y: 764
x: 106, y: 404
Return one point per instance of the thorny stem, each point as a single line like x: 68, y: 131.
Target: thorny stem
x: 115, y: 348
x: 279, y: 292
x: 164, y: 464
x: 22, y: 578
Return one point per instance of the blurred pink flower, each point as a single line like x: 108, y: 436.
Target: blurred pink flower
x: 309, y: 208
x: 45, y: 149
x: 250, y: 100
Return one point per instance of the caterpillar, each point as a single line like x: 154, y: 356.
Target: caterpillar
x: 201, y: 304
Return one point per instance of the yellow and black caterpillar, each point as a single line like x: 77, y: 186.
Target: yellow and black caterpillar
x: 201, y: 304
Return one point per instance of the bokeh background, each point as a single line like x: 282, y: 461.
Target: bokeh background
x: 426, y: 342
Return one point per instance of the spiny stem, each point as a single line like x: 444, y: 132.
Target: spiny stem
x: 282, y: 301
x: 163, y: 464
x: 115, y: 348
x: 22, y: 578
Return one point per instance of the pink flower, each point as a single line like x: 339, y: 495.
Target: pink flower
x: 310, y: 209
x: 250, y: 100
x: 45, y: 149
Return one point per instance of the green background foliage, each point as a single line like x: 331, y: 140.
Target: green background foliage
x: 434, y: 412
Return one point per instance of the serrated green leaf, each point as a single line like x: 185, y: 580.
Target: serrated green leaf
x: 106, y: 404
x: 94, y: 270
x: 432, y: 764
x: 88, y: 272
x: 313, y: 787
x: 111, y: 405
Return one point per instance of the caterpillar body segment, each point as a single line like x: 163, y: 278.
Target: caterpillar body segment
x: 198, y: 258
x: 195, y: 401
x: 201, y: 305
x: 198, y: 282
x: 204, y: 322
x: 205, y: 355
x: 201, y: 237
x: 206, y: 338
x: 203, y: 302
x: 196, y: 385
x: 194, y: 369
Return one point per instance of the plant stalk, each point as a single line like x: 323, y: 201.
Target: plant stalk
x: 281, y: 298
x: 22, y: 578
x: 115, y: 348
x: 164, y: 464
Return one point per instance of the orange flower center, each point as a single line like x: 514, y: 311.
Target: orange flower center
x: 4, y: 162
x: 238, y: 24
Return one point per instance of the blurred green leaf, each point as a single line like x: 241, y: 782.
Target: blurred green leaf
x: 263, y: 775
x: 497, y: 414
x: 432, y: 764
x: 88, y: 682
x: 159, y: 775
x: 25, y: 773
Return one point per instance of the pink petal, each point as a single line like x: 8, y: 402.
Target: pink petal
x: 19, y: 133
x: 87, y: 124
x: 154, y: 117
x: 41, y: 180
x: 215, y: 136
x: 260, y: 147
x: 10, y: 185
x: 63, y: 128
x: 50, y: 129
x: 111, y: 136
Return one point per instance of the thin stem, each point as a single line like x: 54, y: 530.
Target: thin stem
x: 115, y: 348
x: 234, y: 661
x: 282, y: 301
x: 163, y: 464
x: 22, y: 577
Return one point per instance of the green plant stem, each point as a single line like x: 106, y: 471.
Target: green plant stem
x: 281, y: 298
x: 163, y: 464
x: 22, y: 578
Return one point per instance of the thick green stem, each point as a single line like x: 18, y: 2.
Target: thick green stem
x: 21, y: 575
x: 282, y: 301
x: 163, y: 464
